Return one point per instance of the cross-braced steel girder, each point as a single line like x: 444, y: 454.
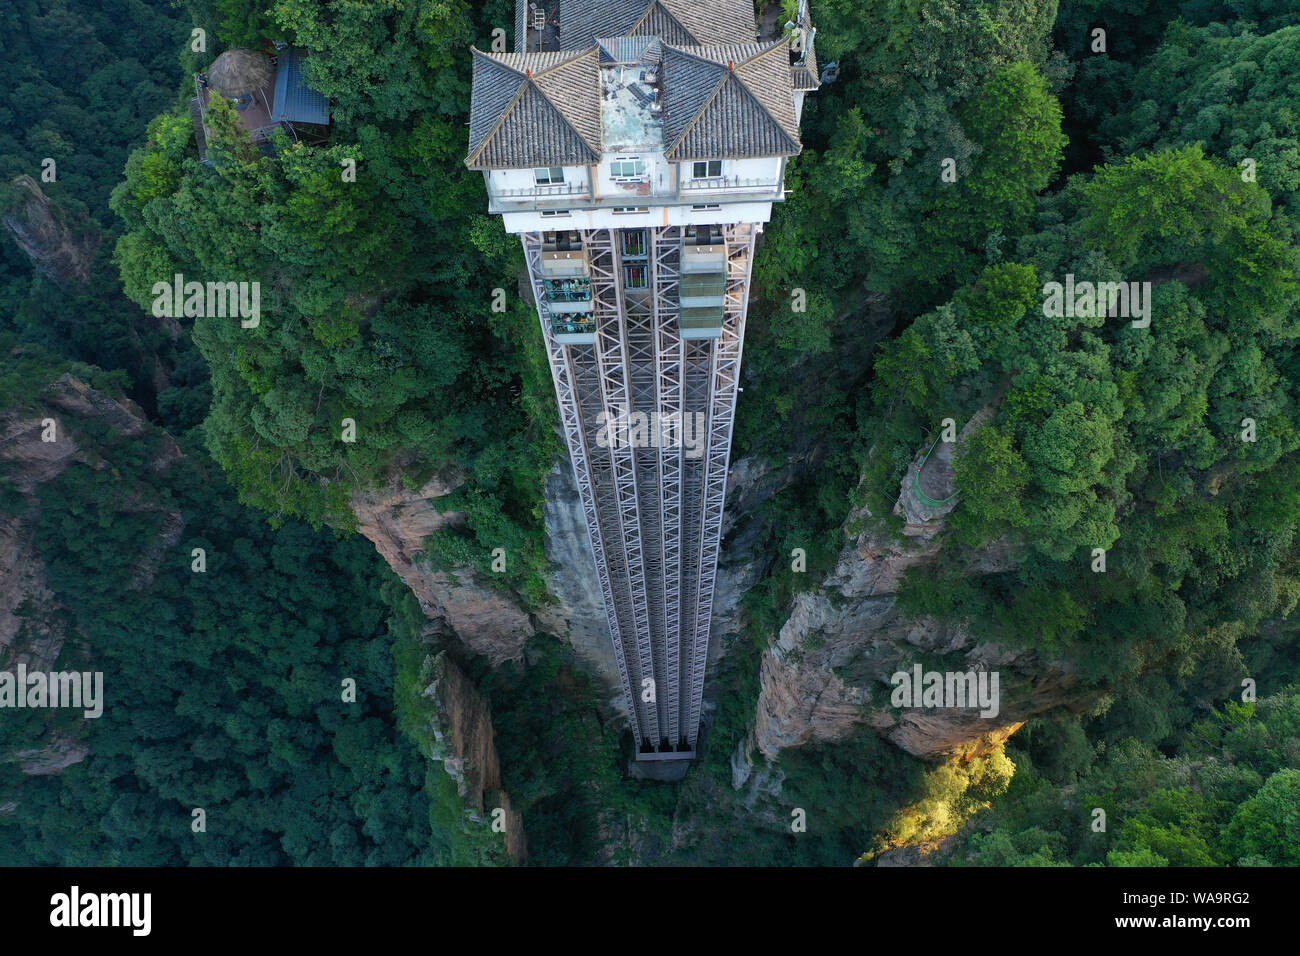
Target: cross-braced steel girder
x: 654, y: 512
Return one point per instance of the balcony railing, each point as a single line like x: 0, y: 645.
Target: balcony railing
x: 555, y: 191
x: 729, y: 184
x: 565, y: 196
x: 567, y: 295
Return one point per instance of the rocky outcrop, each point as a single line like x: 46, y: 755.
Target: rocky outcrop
x: 33, y: 625
x: 59, y: 252
x: 828, y: 672
x: 929, y: 491
x: 397, y: 520
x: 917, y: 854
x: 491, y: 622
x: 58, y: 755
x: 464, y: 741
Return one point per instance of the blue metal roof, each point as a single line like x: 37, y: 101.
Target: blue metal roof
x: 295, y: 102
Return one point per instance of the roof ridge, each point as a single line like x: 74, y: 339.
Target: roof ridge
x: 699, y: 113
x: 514, y: 101
x: 766, y: 50
x: 695, y: 56
x: 766, y: 112
x: 667, y: 12
x: 492, y: 58
x: 754, y: 96
x: 577, y: 54
x: 595, y: 148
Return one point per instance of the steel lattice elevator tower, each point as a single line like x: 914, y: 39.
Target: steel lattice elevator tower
x: 636, y: 147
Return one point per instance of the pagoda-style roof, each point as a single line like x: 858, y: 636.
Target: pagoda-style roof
x: 681, y: 22
x: 535, y: 109
x: 544, y: 109
x: 706, y: 87
x: 729, y: 102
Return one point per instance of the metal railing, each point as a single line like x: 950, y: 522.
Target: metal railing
x: 537, y: 193
x: 698, y: 191
x: 722, y: 184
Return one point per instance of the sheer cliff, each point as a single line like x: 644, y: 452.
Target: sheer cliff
x: 39, y: 440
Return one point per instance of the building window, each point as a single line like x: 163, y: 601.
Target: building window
x: 711, y: 207
x: 710, y: 169
x: 548, y: 213
x: 629, y: 167
x: 551, y: 176
x: 635, y: 277
x: 629, y: 210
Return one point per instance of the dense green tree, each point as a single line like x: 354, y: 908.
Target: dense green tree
x: 1266, y: 828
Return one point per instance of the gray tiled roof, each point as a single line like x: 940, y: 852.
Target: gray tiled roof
x: 535, y: 109
x: 720, y: 101
x: 728, y: 102
x: 680, y: 22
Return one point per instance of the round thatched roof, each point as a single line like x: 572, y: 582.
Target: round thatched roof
x: 240, y: 72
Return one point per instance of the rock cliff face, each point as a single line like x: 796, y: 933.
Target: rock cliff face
x: 33, y: 628
x: 489, y: 622
x: 828, y: 672
x: 56, y: 756
x: 397, y: 520
x: 465, y: 743
x: 485, y: 619
x: 56, y: 250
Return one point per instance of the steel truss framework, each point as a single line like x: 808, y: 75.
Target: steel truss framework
x: 653, y: 512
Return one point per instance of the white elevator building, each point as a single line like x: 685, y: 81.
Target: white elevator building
x: 636, y: 148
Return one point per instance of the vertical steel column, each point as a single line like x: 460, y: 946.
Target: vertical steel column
x: 564, y: 377
x: 612, y: 357
x: 638, y: 308
x: 696, y: 369
x: 723, y: 384
x: 664, y: 251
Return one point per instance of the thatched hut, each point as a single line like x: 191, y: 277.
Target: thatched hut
x: 239, y: 73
